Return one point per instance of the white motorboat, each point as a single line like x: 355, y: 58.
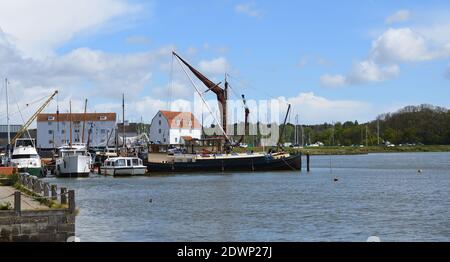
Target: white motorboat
x: 26, y: 158
x: 123, y: 166
x: 73, y: 161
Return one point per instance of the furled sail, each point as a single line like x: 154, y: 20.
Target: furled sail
x: 220, y: 92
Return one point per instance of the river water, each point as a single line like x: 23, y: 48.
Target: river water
x: 376, y: 194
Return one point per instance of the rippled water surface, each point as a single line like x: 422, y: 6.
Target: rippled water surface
x: 377, y: 194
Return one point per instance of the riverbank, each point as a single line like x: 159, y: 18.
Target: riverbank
x: 349, y: 150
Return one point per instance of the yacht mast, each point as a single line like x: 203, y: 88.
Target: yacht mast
x: 84, y: 119
x: 123, y: 121
x: 70, y: 122
x: 7, y: 118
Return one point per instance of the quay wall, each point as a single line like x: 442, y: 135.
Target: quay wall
x: 37, y: 226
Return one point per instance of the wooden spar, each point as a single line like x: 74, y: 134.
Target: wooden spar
x: 84, y: 119
x: 284, y: 125
x: 220, y: 93
x: 247, y: 112
x: 203, y: 99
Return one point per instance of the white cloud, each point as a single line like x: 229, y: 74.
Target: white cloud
x: 38, y: 27
x: 316, y: 109
x: 79, y: 74
x: 362, y: 72
x: 368, y: 71
x: 333, y: 80
x: 138, y: 40
x: 392, y: 48
x: 399, y: 16
x: 175, y: 90
x: 401, y: 45
x: 248, y: 9
x: 218, y: 66
x: 303, y: 62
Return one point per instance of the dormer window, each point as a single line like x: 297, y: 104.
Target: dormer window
x: 51, y: 118
x: 103, y: 118
x: 178, y: 122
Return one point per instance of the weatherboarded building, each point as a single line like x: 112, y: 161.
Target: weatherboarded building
x: 53, y: 130
x: 173, y: 128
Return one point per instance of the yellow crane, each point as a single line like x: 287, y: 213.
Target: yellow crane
x: 24, y: 128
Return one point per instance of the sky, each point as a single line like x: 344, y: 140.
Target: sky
x: 331, y: 60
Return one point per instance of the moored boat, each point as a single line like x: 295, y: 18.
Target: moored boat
x: 26, y: 158
x: 123, y: 166
x: 223, y: 162
x: 73, y: 161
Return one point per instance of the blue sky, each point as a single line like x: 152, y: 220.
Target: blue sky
x: 333, y: 60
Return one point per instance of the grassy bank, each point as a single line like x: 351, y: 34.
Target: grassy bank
x: 348, y: 150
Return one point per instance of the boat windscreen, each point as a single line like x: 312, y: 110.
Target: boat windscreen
x: 24, y: 156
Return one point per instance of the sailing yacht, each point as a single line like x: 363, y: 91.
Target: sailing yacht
x: 26, y: 158
x: 73, y: 161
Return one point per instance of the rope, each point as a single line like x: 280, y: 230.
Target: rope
x: 6, y: 197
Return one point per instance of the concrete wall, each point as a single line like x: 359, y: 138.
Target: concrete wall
x: 36, y: 226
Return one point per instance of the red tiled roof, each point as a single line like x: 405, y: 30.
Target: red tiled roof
x: 181, y: 119
x: 65, y: 117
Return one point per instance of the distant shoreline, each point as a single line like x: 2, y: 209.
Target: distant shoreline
x: 349, y: 150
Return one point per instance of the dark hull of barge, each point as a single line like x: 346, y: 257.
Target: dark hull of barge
x: 256, y: 164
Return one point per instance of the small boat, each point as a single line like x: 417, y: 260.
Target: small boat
x: 73, y: 161
x: 26, y: 158
x: 123, y: 166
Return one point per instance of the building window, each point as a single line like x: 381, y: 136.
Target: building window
x: 159, y: 131
x: 50, y: 132
x: 159, y: 114
x: 50, y: 141
x: 103, y: 131
x: 178, y: 122
x: 176, y: 139
x: 51, y: 118
x: 49, y: 123
x: 77, y: 130
x: 159, y: 122
x: 190, y: 123
x: 103, y: 118
x: 102, y: 141
x: 63, y: 131
x: 164, y: 140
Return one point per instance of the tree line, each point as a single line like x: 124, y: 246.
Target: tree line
x: 423, y: 124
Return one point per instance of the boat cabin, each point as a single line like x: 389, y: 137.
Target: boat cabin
x: 123, y: 162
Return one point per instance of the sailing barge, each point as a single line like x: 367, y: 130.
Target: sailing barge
x: 215, y: 154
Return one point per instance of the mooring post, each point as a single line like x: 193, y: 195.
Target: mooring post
x: 308, y: 162
x: 300, y: 161
x: 63, y: 195
x: 72, y: 201
x: 54, y: 192
x: 17, y: 202
x: 46, y: 189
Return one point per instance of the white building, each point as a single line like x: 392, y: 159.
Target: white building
x: 53, y: 130
x: 173, y: 127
